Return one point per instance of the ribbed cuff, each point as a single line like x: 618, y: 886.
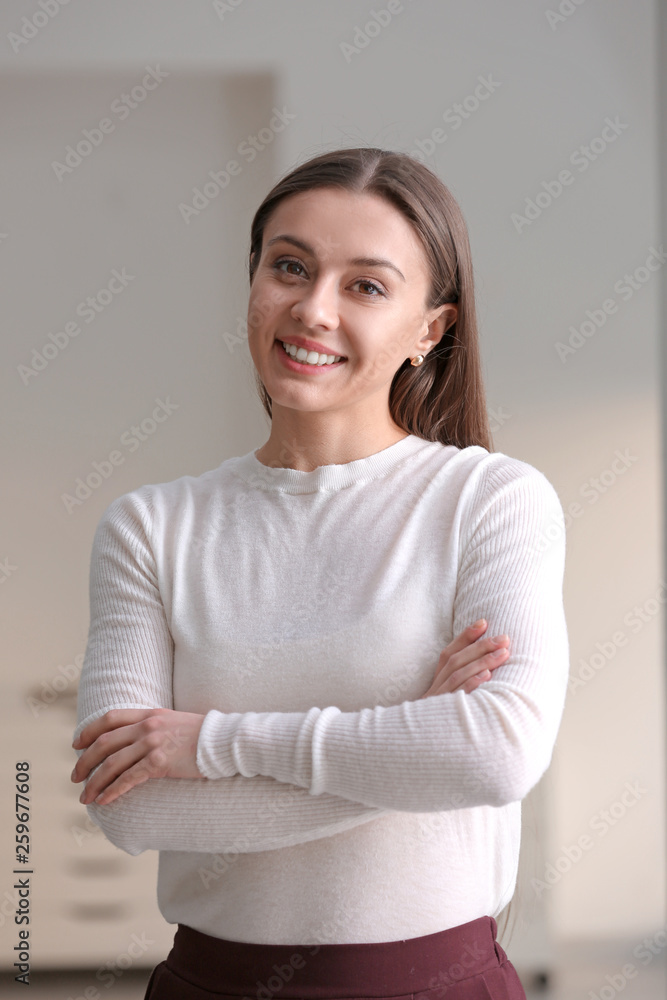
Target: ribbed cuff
x: 287, y: 746
x: 215, y: 757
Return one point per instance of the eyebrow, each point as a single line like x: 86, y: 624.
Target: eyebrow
x: 357, y: 261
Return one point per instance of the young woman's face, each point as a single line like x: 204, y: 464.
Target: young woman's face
x: 340, y: 274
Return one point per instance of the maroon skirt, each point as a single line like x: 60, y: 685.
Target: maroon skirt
x: 462, y: 963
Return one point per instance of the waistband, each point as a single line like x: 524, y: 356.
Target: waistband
x: 375, y: 969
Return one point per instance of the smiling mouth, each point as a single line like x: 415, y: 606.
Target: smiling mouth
x: 305, y: 357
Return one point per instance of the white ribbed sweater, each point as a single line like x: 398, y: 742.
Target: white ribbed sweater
x: 303, y: 613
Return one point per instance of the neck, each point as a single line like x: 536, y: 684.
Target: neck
x: 305, y: 441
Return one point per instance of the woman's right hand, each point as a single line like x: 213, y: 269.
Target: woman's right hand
x: 465, y: 663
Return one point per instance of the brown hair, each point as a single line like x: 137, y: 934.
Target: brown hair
x: 443, y: 399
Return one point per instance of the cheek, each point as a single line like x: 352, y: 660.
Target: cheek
x: 265, y: 305
x: 379, y: 364
x: 388, y: 351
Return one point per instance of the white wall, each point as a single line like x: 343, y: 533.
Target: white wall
x: 554, y: 86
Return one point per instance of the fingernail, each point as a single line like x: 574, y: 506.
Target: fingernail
x: 478, y: 624
x: 73, y: 774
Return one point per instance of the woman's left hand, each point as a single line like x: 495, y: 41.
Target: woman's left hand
x: 136, y: 744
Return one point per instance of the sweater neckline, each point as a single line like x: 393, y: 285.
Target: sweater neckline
x: 327, y: 478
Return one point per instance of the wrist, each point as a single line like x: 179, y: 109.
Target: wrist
x: 215, y: 756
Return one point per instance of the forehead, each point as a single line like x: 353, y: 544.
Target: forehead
x: 341, y: 225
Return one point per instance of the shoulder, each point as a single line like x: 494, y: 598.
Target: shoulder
x: 493, y: 489
x: 480, y: 477
x: 157, y: 507
x: 509, y: 503
x: 499, y: 478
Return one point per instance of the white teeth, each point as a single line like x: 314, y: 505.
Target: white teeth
x: 309, y: 357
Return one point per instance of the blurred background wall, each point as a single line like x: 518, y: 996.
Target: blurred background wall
x: 124, y: 238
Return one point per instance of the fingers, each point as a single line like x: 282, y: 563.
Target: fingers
x: 106, y: 748
x: 113, y: 719
x: 477, y: 671
x: 113, y: 764
x: 468, y: 645
x: 472, y: 654
x: 102, y: 789
x: 465, y: 638
x: 477, y: 667
x: 124, y: 769
x: 113, y: 730
x: 474, y: 682
x: 159, y: 743
x: 105, y: 744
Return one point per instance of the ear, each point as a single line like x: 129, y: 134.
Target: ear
x: 437, y: 322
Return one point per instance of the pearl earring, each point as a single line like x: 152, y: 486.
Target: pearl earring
x: 418, y: 360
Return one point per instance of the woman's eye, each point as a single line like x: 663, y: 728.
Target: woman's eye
x: 281, y: 265
x: 374, y: 289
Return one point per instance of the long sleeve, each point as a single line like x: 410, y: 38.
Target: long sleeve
x: 453, y: 750
x: 129, y: 664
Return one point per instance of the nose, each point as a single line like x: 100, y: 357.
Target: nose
x: 317, y: 305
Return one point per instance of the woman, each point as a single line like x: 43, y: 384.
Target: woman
x: 321, y: 677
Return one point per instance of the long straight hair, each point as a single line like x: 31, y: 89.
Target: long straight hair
x: 443, y: 399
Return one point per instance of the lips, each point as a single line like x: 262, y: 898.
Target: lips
x: 310, y: 345
x: 318, y: 363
